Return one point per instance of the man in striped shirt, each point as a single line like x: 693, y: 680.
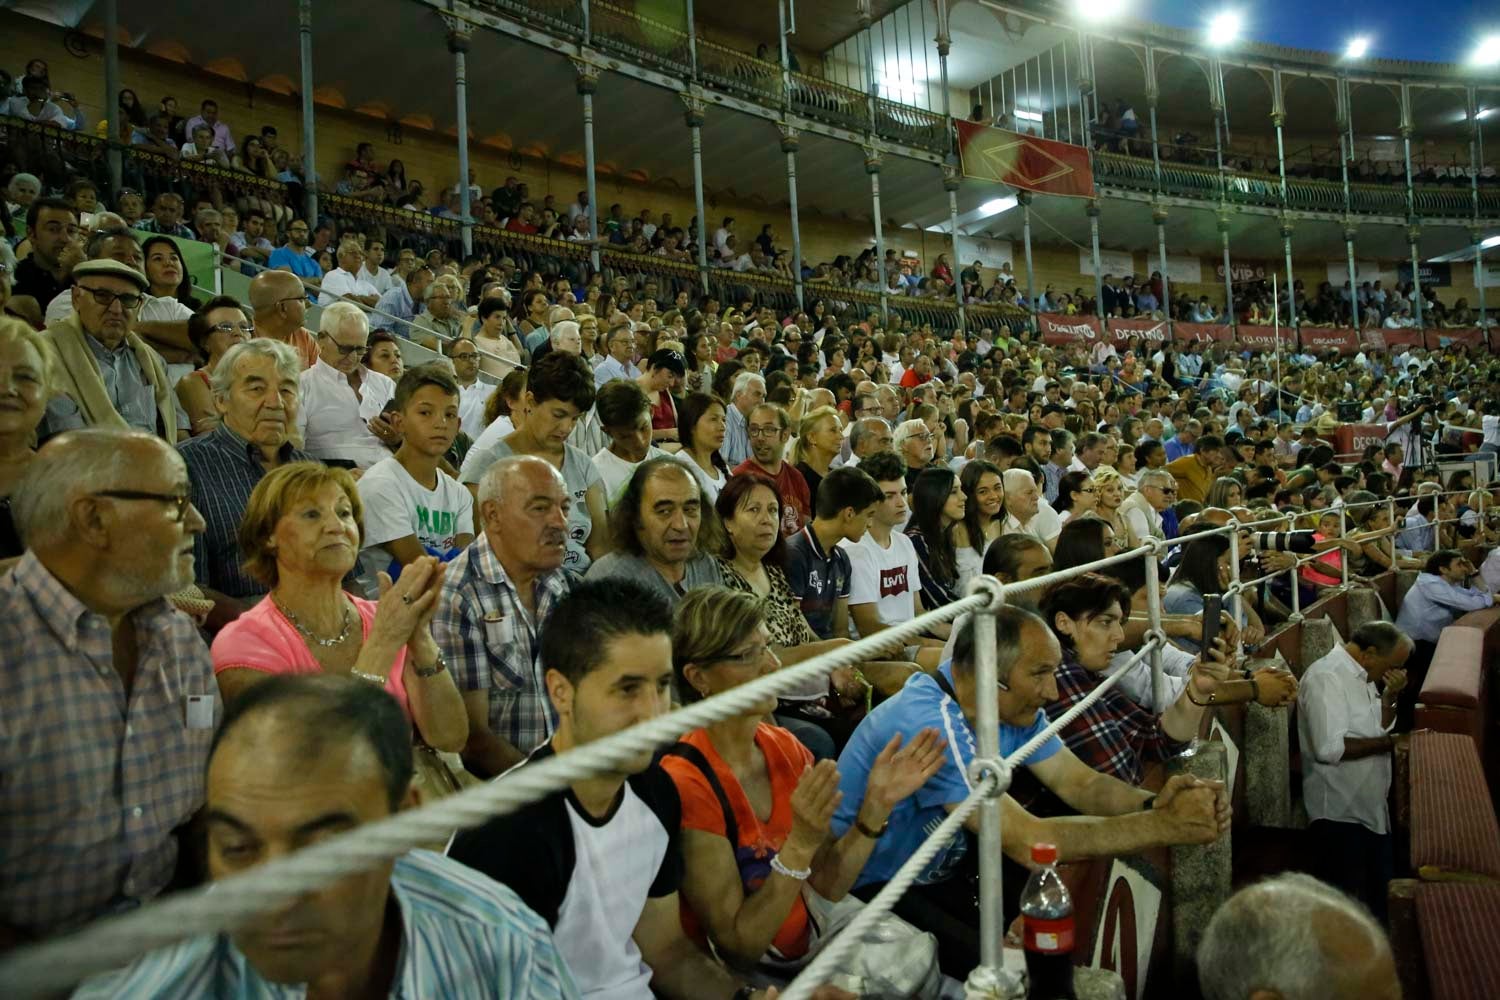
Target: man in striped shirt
x: 300, y: 759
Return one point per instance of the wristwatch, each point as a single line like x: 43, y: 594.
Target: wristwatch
x: 872, y: 834
x: 438, y: 666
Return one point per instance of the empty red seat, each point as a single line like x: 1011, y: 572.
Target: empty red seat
x: 1453, y: 828
x: 1460, y: 928
x: 1452, y: 699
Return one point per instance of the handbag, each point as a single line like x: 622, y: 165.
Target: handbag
x: 894, y: 961
x: 434, y: 777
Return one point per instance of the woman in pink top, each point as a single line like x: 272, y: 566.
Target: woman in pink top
x: 301, y: 536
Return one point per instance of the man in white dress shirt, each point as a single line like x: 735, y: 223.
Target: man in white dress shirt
x: 344, y: 283
x: 373, y: 272
x: 1345, y: 723
x: 342, y: 419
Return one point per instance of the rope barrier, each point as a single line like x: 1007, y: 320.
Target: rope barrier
x: 220, y: 906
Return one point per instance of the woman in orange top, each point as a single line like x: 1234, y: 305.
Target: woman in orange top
x: 755, y: 810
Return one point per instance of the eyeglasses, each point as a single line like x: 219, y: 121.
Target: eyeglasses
x: 753, y: 655
x: 106, y: 298
x: 345, y: 349
x: 291, y: 298
x: 464, y: 356
x: 248, y: 329
x: 182, y: 501
x: 1170, y: 491
x: 764, y: 431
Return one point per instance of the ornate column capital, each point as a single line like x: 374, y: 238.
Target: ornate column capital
x: 458, y: 31
x: 1159, y: 214
x: 951, y: 178
x: 1278, y: 118
x: 588, y: 76
x: 1024, y: 198
x: 1413, y: 233
x: 1092, y: 209
x: 874, y: 159
x: 693, y: 109
x: 789, y: 140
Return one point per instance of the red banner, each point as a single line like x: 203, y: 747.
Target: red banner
x: 1149, y: 332
x: 1372, y: 339
x: 1351, y: 439
x: 1464, y: 336
x: 1264, y: 338
x: 1023, y: 161
x: 1320, y: 339
x: 1202, y: 333
x: 1404, y: 337
x: 1058, y: 329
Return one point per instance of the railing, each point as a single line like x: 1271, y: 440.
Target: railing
x: 830, y: 102
x: 912, y: 125
x: 564, y: 17
x: 641, y: 39
x: 1303, y: 194
x: 734, y: 72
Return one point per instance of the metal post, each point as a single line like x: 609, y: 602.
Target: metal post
x: 694, y: 117
x: 1476, y: 143
x: 1278, y: 116
x: 873, y: 160
x: 1223, y: 224
x: 309, y: 160
x: 1413, y: 234
x: 692, y: 35
x: 986, y: 678
x: 1024, y: 197
x: 112, y: 91
x: 458, y: 44
x: 1343, y: 556
x: 789, y: 147
x: 1349, y: 233
x: 588, y: 33
x: 1411, y: 205
x: 588, y: 82
x: 950, y: 184
x: 1479, y: 279
x: 1153, y: 613
x: 786, y: 72
x: 1093, y: 213
x: 1238, y: 603
x: 1155, y: 148
x: 1291, y: 281
x: 1159, y: 216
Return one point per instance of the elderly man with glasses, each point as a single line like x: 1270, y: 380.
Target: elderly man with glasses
x: 1155, y: 492
x: 342, y: 419
x: 344, y: 283
x: 115, y: 684
x: 280, y: 309
x: 106, y: 375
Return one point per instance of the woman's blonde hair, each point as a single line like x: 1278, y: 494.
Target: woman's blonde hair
x: 806, y: 425
x: 709, y: 623
x: 13, y: 331
x: 277, y: 491
x: 1107, y: 474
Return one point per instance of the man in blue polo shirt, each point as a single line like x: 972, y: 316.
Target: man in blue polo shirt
x: 817, y: 567
x: 293, y: 257
x: 1115, y: 818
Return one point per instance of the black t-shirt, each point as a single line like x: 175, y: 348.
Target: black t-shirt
x: 31, y: 280
x: 535, y: 851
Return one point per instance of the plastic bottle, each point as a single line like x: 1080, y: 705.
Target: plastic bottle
x: 1047, y: 929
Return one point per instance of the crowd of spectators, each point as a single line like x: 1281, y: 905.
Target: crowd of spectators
x: 235, y: 528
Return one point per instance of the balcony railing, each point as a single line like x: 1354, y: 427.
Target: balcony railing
x: 1189, y: 181
x: 643, y: 40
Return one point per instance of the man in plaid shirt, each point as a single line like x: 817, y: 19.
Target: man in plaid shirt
x: 110, y: 701
x: 497, y: 596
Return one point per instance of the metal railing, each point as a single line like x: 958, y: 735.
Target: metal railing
x: 646, y: 40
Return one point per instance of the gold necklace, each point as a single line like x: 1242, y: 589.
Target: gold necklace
x: 308, y: 634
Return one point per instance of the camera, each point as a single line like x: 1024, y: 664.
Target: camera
x: 1417, y: 402
x: 1298, y: 542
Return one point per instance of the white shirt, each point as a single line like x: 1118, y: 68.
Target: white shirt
x: 396, y: 505
x: 1489, y: 572
x: 1491, y: 426
x: 380, y: 277
x: 1337, y: 699
x: 339, y: 282
x: 1175, y: 664
x: 710, y: 486
x: 501, y: 428
x: 888, y: 577
x: 334, y: 422
x: 471, y: 401
x: 154, y: 309
x: 1045, y: 525
x: 616, y: 472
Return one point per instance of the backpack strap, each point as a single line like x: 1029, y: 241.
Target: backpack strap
x: 695, y: 757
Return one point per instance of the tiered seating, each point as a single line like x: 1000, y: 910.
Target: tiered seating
x: 1454, y: 834
x: 1453, y: 697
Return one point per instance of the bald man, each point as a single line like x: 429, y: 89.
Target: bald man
x: 280, y: 305
x: 1292, y: 937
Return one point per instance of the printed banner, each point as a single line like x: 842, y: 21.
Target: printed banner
x: 997, y: 254
x: 1057, y: 329
x: 1464, y: 336
x: 1318, y: 339
x: 1436, y: 275
x: 1022, y: 161
x: 1151, y: 333
x: 1119, y: 263
x: 1264, y: 338
x: 1405, y: 337
x: 1202, y: 333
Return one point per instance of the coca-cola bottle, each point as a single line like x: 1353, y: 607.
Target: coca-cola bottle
x: 1047, y: 929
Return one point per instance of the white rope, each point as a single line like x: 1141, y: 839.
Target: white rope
x: 224, y: 905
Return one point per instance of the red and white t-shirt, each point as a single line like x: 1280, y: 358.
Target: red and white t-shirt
x: 886, y: 577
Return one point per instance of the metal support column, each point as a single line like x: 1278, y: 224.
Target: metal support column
x: 694, y: 117
x: 1350, y: 231
x: 1412, y: 230
x: 1478, y: 237
x: 692, y: 36
x: 1159, y: 216
x: 789, y: 147
x: 1216, y: 102
x: 1223, y: 224
x: 309, y: 159
x: 588, y: 82
x: 873, y: 161
x: 1346, y: 153
x: 112, y: 92
x: 951, y: 181
x: 1093, y: 213
x: 1024, y: 197
x: 458, y: 44
x: 1153, y: 93
x: 1476, y: 143
x: 1153, y: 616
x: 1291, y: 288
x: 1278, y: 118
x: 1413, y: 236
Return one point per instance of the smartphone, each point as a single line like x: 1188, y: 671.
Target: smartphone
x: 1213, y: 606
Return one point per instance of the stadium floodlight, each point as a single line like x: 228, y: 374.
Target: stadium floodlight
x: 1224, y: 29
x: 1099, y: 11
x: 1484, y: 112
x: 1493, y: 241
x: 1488, y: 52
x: 997, y: 205
x: 1357, y: 48
x: 1028, y: 116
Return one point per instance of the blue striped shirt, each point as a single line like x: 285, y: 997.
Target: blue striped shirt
x: 463, y: 935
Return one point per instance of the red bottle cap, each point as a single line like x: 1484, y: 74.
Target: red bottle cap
x: 1044, y: 854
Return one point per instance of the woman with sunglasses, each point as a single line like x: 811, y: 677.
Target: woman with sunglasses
x: 756, y: 810
x: 1076, y: 496
x: 214, y: 329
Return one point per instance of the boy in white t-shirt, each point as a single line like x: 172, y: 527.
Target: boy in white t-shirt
x: 412, y: 507
x: 885, y: 588
x: 624, y: 411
